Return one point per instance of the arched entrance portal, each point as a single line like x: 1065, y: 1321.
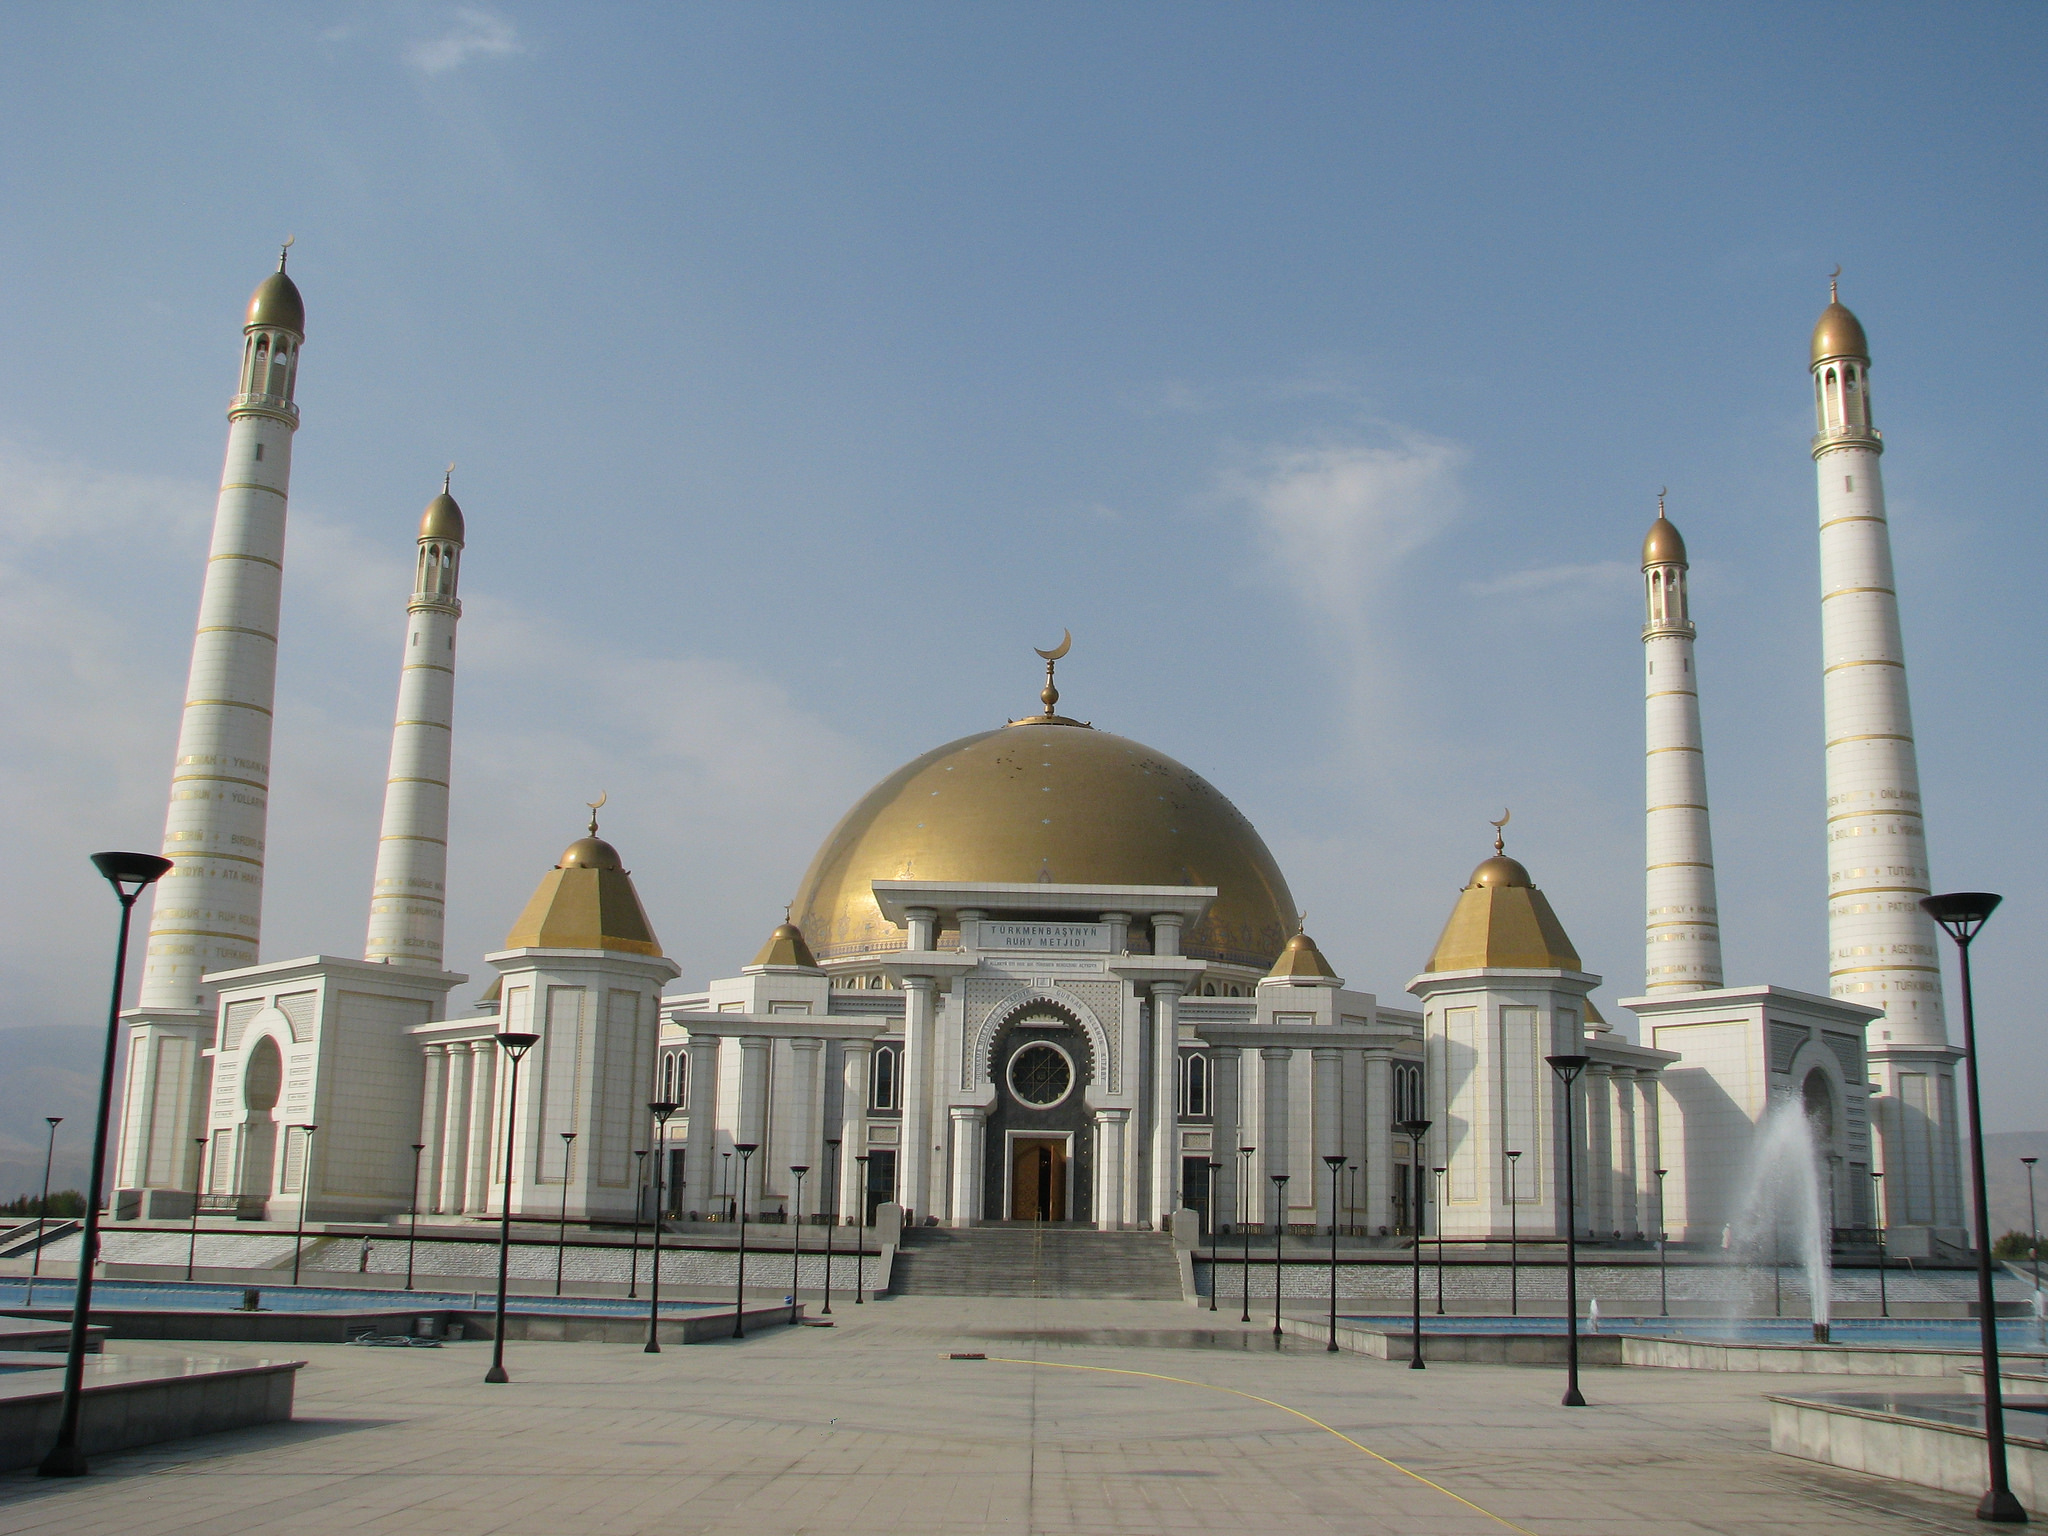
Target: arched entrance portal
x: 1038, y: 1159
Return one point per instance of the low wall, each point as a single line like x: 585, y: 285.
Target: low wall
x: 558, y: 1328
x: 339, y: 1326
x: 1870, y: 1437
x: 134, y: 1400
x: 1476, y: 1348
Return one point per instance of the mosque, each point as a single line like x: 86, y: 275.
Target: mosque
x: 1041, y: 973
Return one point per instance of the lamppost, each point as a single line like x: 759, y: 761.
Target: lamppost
x: 725, y: 1178
x: 1214, y: 1169
x: 831, y: 1219
x: 1568, y: 1067
x: 2033, y: 1223
x: 796, y: 1241
x: 661, y: 1109
x: 130, y: 874
x: 1961, y: 914
x: 1415, y: 1130
x: 562, y: 1221
x: 1663, y: 1236
x: 35, y: 1267
x: 746, y: 1150
x: 515, y: 1046
x: 1884, y: 1304
x: 192, y: 1242
x: 1514, y: 1234
x: 860, y: 1222
x: 1439, y: 1240
x: 1245, y: 1195
x: 1279, y: 1229
x: 412, y: 1237
x: 1336, y: 1162
x: 305, y: 1192
x: 639, y: 1212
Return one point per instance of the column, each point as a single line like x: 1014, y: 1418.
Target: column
x: 920, y: 998
x: 970, y: 1124
x: 753, y: 1119
x: 433, y: 1120
x: 1273, y: 1129
x: 1598, y: 1216
x: 483, y: 1111
x: 1328, y: 1066
x: 1379, y: 1138
x: 1225, y: 1084
x: 807, y: 1117
x: 455, y: 1128
x: 1650, y: 1155
x: 1165, y: 1094
x: 700, y: 1145
x: 1627, y: 1214
x: 857, y: 1057
x: 1111, y: 1212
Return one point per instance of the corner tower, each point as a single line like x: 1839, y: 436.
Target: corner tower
x: 1881, y: 946
x: 209, y: 908
x: 1681, y: 916
x: 408, y: 898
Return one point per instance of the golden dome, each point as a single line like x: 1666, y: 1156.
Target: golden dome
x: 442, y: 519
x: 786, y: 947
x: 1502, y: 922
x: 1662, y: 545
x: 276, y: 305
x: 586, y: 901
x: 1056, y: 803
x: 1301, y: 959
x: 1839, y: 334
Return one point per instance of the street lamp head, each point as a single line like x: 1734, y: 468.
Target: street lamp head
x: 1215, y: 1167
x: 799, y: 1169
x: 1439, y: 1172
x: 1246, y: 1151
x: 1660, y: 1172
x: 130, y: 873
x: 861, y: 1158
x: 746, y: 1148
x: 1335, y: 1160
x: 832, y: 1142
x: 2030, y: 1161
x: 54, y: 1121
x: 1278, y: 1178
x: 514, y: 1044
x: 1568, y: 1067
x: 566, y: 1135
x: 1514, y: 1157
x: 1962, y: 913
x: 419, y: 1146
x: 1414, y: 1130
x: 661, y: 1109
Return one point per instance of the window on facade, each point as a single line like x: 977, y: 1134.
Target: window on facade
x: 668, y: 1079
x: 882, y: 1079
x: 1194, y: 1083
x: 1407, y: 1092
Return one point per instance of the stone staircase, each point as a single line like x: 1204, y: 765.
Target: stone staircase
x: 1052, y: 1261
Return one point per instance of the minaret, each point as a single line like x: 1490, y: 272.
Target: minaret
x: 408, y: 896
x: 209, y: 907
x: 1681, y: 918
x: 1881, y: 946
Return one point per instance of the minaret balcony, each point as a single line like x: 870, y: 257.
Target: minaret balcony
x: 265, y: 405
x: 1836, y: 437
x: 1658, y: 628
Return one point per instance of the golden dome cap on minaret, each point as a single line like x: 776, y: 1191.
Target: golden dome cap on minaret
x: 276, y: 305
x: 1301, y: 960
x: 1502, y: 922
x: 586, y: 901
x: 1838, y: 333
x: 442, y: 519
x: 1663, y: 545
x: 786, y: 949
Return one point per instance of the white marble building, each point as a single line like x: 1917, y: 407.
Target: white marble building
x: 1040, y: 972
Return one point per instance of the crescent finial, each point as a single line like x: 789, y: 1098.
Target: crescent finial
x: 1833, y: 296
x: 1499, y: 839
x: 595, y: 806
x: 1660, y: 498
x: 283, y: 249
x: 1066, y: 644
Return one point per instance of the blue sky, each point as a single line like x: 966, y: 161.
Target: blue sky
x: 805, y: 365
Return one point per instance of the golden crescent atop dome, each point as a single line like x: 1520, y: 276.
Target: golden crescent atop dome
x: 1066, y: 644
x: 1499, y: 836
x: 595, y: 806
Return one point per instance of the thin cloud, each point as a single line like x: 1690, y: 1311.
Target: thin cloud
x: 1598, y: 575
x: 476, y: 34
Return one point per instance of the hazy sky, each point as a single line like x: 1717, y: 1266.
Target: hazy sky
x: 804, y: 365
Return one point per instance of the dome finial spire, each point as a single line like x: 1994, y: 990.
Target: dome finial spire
x: 1500, y: 838
x: 596, y: 806
x: 1660, y: 500
x: 285, y: 250
x: 1050, y: 697
x: 447, y: 477
x: 1834, y: 297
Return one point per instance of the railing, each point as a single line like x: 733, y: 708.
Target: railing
x: 274, y: 405
x: 1848, y: 434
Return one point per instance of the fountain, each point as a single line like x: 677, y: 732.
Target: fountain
x: 1783, y: 1203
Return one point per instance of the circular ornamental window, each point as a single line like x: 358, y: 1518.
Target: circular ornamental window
x: 1041, y: 1075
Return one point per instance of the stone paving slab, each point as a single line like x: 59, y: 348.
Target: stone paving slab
x: 869, y: 1427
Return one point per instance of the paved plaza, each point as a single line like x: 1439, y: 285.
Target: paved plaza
x: 870, y: 1427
